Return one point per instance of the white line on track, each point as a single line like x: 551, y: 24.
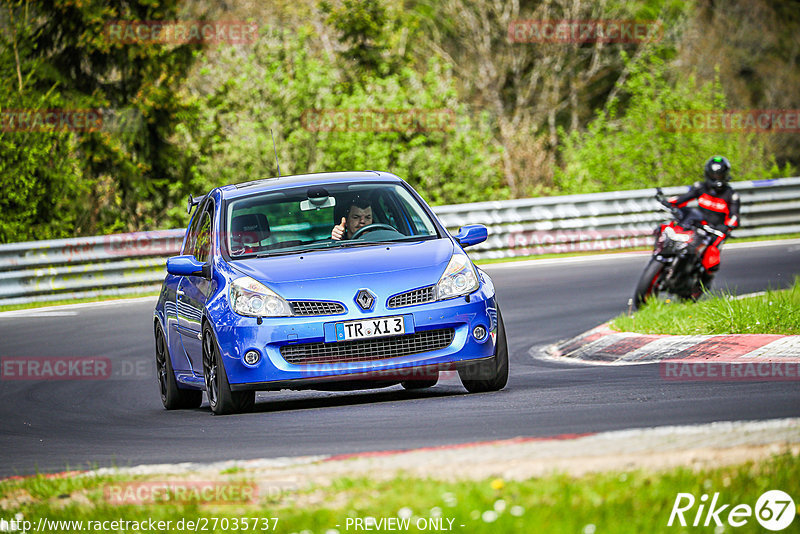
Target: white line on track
x: 67, y: 309
x: 36, y: 312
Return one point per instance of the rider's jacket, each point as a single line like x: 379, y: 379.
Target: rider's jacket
x: 721, y: 209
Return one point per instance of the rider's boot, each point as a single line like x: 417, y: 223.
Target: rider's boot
x: 708, y: 277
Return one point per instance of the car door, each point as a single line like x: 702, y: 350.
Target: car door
x: 180, y: 361
x: 193, y: 292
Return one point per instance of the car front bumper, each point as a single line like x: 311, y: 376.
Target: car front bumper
x: 457, y: 317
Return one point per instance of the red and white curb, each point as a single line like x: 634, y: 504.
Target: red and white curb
x: 773, y: 357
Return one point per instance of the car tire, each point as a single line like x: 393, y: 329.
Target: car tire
x: 490, y: 375
x: 648, y: 283
x: 172, y: 397
x: 221, y: 399
x: 421, y: 384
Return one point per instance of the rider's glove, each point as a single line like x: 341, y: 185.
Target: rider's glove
x: 724, y: 228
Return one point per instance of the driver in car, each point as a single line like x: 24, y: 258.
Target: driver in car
x: 357, y: 216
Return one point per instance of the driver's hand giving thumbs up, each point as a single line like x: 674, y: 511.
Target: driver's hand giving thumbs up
x: 338, y: 231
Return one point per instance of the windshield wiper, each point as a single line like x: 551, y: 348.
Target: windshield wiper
x: 409, y: 238
x: 345, y: 243
x: 401, y: 240
x: 295, y: 250
x: 277, y: 253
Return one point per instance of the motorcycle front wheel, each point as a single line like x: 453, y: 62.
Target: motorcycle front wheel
x: 648, y: 283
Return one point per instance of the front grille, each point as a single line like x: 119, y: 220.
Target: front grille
x: 364, y: 350
x: 409, y: 298
x: 316, y: 307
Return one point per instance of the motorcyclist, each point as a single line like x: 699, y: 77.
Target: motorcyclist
x: 719, y: 204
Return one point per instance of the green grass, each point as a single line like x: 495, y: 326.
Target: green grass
x: 775, y: 312
x: 619, y: 502
x: 735, y: 239
x: 232, y: 470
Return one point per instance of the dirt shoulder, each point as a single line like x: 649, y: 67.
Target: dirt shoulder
x: 653, y: 449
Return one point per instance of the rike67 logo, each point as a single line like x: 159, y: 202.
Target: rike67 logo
x: 774, y: 510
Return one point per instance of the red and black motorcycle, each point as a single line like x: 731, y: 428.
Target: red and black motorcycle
x: 685, y: 249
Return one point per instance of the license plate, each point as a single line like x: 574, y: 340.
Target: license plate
x: 366, y: 328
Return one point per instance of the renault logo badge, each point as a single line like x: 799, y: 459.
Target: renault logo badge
x: 365, y: 299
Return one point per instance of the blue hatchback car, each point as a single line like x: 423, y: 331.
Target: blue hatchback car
x: 330, y: 281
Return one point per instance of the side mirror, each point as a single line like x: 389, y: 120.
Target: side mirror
x: 471, y: 234
x: 187, y: 266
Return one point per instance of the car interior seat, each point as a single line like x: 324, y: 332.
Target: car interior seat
x: 248, y: 231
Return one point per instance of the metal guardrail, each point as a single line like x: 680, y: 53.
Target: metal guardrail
x: 610, y: 221
x: 134, y: 263
x: 57, y: 269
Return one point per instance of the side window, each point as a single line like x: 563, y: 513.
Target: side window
x: 188, y: 246
x: 420, y: 224
x: 202, y: 248
x: 387, y: 212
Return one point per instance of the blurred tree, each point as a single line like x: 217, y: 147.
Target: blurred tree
x: 532, y: 88
x: 129, y: 167
x: 39, y: 176
x: 163, y: 136
x: 754, y: 46
x: 361, y: 25
x: 638, y: 148
x: 280, y: 85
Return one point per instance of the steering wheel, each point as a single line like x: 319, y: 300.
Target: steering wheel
x: 371, y: 227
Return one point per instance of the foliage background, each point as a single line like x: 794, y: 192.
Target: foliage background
x: 529, y: 119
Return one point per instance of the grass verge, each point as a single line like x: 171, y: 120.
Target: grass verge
x: 774, y: 312
x: 619, y: 502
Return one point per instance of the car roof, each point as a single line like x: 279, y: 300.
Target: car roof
x: 300, y: 180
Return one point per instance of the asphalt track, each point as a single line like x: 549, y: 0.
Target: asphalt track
x: 75, y: 424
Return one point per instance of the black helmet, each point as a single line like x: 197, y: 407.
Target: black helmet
x: 717, y: 172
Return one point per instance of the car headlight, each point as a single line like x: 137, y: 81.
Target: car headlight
x: 252, y: 298
x: 458, y: 279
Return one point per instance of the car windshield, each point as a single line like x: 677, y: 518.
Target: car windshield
x: 297, y: 220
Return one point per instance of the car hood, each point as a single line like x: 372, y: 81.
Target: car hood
x: 337, y: 274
